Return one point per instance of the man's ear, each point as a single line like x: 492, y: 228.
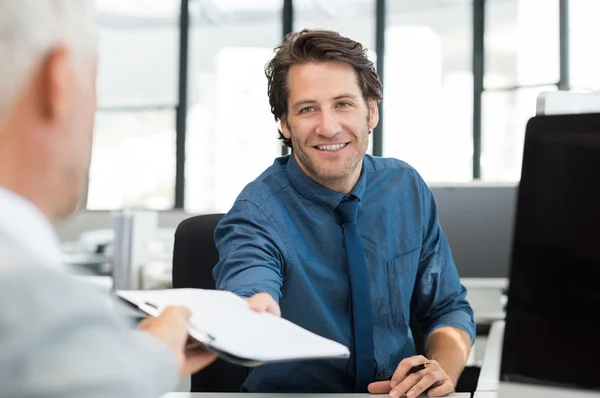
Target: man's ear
x: 373, y: 114
x: 285, y: 128
x: 57, y: 82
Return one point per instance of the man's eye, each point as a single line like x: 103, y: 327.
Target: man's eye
x: 307, y: 109
x: 343, y: 104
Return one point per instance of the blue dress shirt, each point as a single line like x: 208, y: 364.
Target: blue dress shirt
x: 282, y: 237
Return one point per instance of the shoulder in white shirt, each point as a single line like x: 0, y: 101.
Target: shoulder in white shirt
x: 58, y: 336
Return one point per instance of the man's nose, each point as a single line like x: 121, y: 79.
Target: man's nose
x: 329, y: 124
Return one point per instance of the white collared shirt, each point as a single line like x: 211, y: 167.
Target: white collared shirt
x: 24, y: 225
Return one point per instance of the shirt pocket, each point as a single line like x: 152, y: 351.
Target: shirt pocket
x: 401, y: 276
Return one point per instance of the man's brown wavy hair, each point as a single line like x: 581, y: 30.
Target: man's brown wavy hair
x: 313, y: 46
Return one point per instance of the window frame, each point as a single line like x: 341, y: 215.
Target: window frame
x: 287, y: 16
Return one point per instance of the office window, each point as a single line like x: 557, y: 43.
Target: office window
x: 133, y: 154
x: 521, y: 61
x: 352, y: 18
x: 138, y: 48
x: 231, y: 133
x: 504, y: 118
x: 583, y: 34
x: 133, y: 161
x: 428, y: 93
x: 521, y: 43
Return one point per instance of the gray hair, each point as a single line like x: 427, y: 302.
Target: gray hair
x: 29, y: 29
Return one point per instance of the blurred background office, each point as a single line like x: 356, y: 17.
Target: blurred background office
x: 184, y: 123
x: 169, y: 86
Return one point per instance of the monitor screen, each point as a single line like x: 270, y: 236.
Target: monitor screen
x: 552, y: 332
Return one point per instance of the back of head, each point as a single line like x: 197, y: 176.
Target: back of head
x: 48, y: 53
x: 316, y: 46
x: 29, y: 29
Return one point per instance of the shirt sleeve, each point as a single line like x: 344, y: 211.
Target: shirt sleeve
x: 59, y: 339
x: 439, y: 298
x: 250, y: 252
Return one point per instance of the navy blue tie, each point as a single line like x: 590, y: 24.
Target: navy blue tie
x: 362, y: 320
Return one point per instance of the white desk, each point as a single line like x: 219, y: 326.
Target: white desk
x: 486, y: 298
x: 490, y: 369
x: 485, y: 394
x: 516, y: 390
x: 253, y: 395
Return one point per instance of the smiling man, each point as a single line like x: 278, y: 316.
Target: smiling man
x: 343, y: 243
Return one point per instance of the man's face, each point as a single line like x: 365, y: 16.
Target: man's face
x: 328, y: 121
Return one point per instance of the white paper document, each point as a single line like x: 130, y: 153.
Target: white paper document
x: 224, y: 323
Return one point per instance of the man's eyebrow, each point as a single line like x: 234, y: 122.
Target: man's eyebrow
x: 303, y: 102
x: 342, y: 96
x: 336, y: 98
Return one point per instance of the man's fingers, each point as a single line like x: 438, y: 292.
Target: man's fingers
x: 169, y: 317
x: 379, y: 387
x: 405, y: 365
x: 432, y: 377
x: 273, y: 308
x: 261, y: 302
x: 197, y: 359
x: 171, y: 328
x: 440, y: 391
x: 426, y: 381
x: 174, y: 312
x: 256, y: 304
x: 144, y: 323
x: 405, y: 385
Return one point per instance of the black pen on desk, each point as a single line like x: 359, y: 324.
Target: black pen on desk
x: 414, y: 369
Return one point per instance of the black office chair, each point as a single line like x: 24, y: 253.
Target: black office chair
x: 194, y: 256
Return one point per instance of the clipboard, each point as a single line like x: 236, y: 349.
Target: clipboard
x: 223, y: 323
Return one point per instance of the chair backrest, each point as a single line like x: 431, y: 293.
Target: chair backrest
x: 194, y: 257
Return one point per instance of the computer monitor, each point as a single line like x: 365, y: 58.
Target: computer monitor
x: 552, y: 337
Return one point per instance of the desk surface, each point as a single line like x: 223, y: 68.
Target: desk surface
x: 253, y: 395
x: 485, y: 394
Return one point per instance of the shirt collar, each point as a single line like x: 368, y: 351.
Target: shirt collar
x: 316, y: 192
x: 29, y: 228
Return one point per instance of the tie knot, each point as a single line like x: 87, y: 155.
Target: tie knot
x: 348, y: 210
